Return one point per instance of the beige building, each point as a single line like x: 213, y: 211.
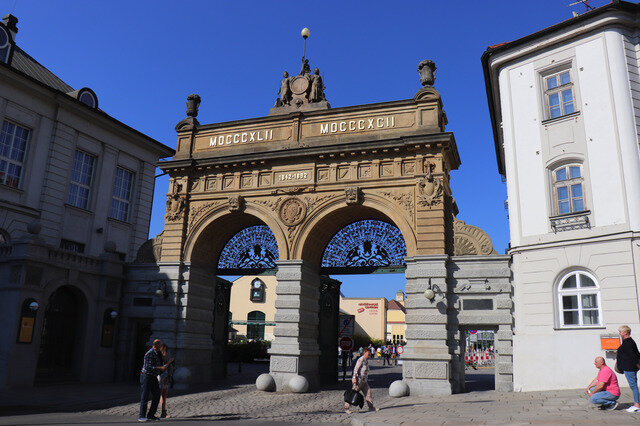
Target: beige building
x: 370, y: 315
x: 396, y: 325
x: 252, y: 310
x: 76, y: 187
x: 252, y: 307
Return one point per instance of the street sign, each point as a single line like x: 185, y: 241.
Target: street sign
x: 400, y: 350
x: 473, y: 331
x: 346, y: 343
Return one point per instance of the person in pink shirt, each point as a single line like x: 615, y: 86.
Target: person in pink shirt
x: 604, y: 390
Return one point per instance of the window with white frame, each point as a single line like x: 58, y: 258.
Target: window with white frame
x: 579, y: 300
x: 558, y: 93
x: 121, y: 199
x: 13, y: 144
x: 568, y: 191
x: 81, y: 179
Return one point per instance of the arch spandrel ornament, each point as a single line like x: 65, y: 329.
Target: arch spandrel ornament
x: 470, y: 240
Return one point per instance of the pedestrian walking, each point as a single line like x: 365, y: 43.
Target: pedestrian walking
x: 150, y: 388
x: 344, y: 357
x: 165, y: 379
x: 394, y: 354
x: 603, y: 390
x: 386, y: 354
x: 628, y: 363
x: 360, y: 378
x: 350, y: 359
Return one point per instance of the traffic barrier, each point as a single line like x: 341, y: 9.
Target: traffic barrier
x: 479, y: 358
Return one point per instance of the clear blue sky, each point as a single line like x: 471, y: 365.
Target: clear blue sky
x: 143, y: 58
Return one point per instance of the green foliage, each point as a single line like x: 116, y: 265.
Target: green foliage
x: 247, y: 351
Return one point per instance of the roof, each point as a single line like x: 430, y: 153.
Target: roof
x: 22, y: 61
x: 23, y: 64
x: 615, y: 5
x: 394, y: 305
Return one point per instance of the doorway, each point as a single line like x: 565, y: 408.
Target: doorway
x: 59, y: 346
x: 479, y: 357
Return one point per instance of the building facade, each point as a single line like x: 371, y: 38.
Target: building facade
x: 76, y: 187
x: 252, y: 307
x: 565, y: 109
x: 396, y: 324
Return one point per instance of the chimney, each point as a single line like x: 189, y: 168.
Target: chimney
x: 11, y: 22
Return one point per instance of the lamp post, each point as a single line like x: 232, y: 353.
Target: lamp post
x: 305, y: 33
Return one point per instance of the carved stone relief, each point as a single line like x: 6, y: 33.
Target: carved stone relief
x: 195, y: 213
x: 235, y: 203
x: 175, y: 204
x: 353, y: 195
x: 403, y: 199
x: 470, y: 240
x: 292, y: 211
x: 430, y: 189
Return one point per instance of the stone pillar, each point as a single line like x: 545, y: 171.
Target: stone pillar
x: 295, y: 348
x: 504, y: 358
x: 427, y: 358
x: 184, y: 320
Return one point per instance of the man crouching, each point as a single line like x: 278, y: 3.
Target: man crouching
x: 604, y: 390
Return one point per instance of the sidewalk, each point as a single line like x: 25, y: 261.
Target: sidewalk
x: 495, y: 408
x: 237, y: 401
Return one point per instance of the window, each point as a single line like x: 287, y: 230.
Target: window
x: 121, y: 198
x: 255, y: 325
x: 87, y: 98
x: 71, y: 246
x: 559, y: 94
x: 5, y: 45
x: 257, y: 290
x: 81, y: 177
x: 567, y: 189
x: 579, y: 301
x: 13, y: 143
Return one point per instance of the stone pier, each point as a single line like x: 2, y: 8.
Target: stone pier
x: 295, y: 348
x: 427, y: 359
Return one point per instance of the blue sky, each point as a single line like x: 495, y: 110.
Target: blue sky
x: 143, y: 58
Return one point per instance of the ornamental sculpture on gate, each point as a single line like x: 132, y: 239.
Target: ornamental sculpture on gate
x: 292, y: 211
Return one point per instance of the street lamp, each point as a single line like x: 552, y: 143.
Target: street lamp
x: 33, y: 306
x: 305, y: 33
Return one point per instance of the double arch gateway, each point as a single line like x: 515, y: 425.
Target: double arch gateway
x: 297, y: 198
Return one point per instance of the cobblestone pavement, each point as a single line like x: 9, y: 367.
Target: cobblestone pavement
x: 239, y: 401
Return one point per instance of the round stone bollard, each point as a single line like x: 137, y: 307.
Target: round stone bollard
x: 298, y: 384
x: 265, y: 382
x: 398, y: 389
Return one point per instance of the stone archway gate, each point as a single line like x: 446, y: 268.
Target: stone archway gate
x: 306, y: 173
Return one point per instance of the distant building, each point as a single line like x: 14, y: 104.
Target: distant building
x: 76, y: 188
x: 252, y: 307
x: 370, y: 315
x: 565, y: 110
x: 396, y: 325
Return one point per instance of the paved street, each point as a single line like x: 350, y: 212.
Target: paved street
x: 237, y: 401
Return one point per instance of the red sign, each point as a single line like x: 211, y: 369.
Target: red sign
x: 400, y: 350
x: 473, y: 331
x: 360, y: 310
x: 346, y: 343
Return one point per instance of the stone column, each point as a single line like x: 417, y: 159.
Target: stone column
x: 427, y: 358
x: 183, y: 319
x: 295, y: 347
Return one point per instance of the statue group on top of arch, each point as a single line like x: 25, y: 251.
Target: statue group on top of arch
x: 305, y: 91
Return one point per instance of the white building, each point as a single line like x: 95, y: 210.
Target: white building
x: 76, y: 187
x: 565, y: 109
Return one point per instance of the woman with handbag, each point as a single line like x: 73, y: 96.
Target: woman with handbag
x: 628, y: 363
x: 360, y: 380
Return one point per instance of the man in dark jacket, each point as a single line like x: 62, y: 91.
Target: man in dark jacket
x: 150, y: 387
x: 628, y: 361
